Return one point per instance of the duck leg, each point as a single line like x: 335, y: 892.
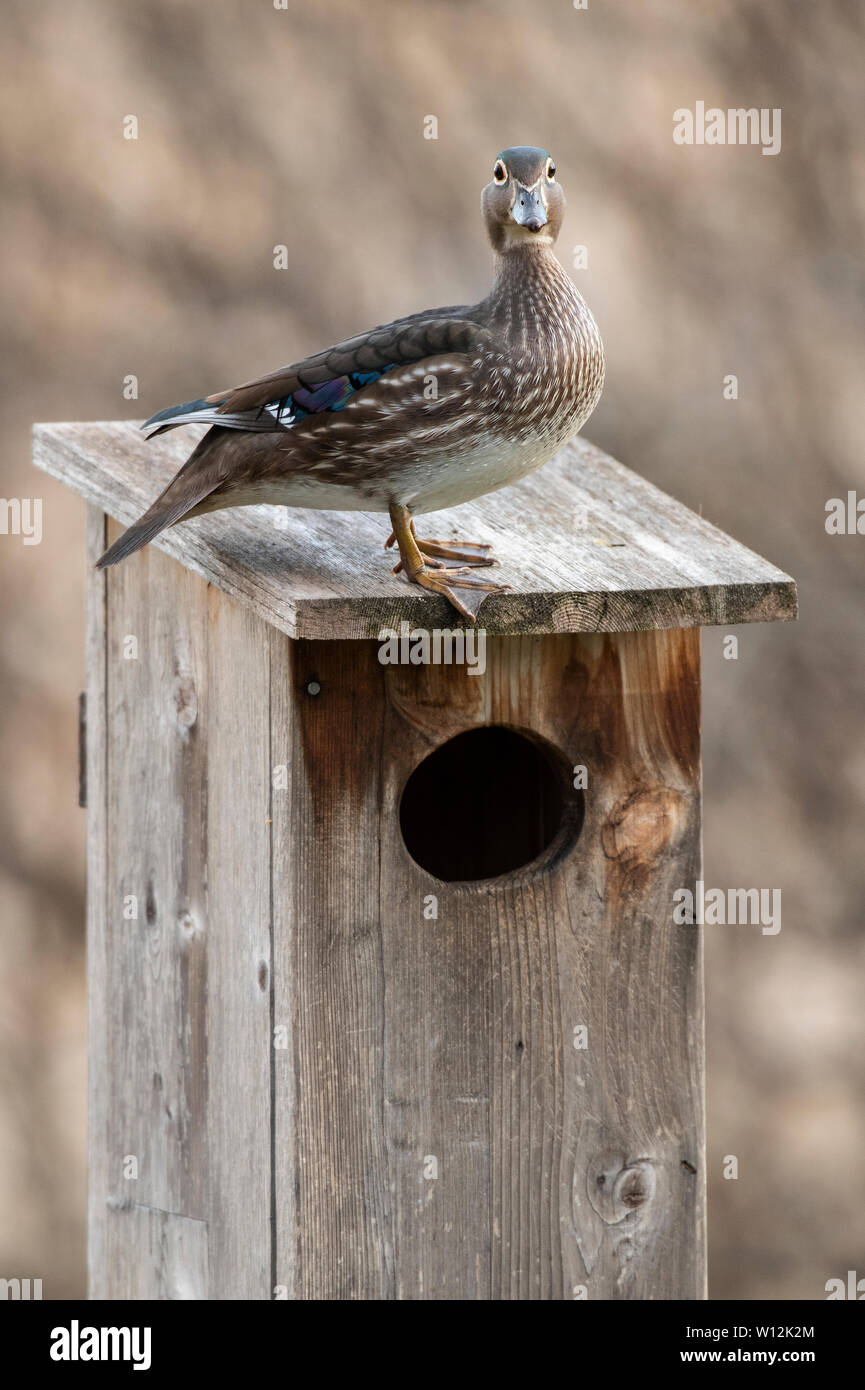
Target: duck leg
x: 466, y: 552
x: 432, y: 574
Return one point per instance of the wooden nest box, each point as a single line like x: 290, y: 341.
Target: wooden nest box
x: 386, y: 995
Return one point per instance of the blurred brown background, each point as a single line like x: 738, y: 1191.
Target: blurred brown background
x: 304, y: 126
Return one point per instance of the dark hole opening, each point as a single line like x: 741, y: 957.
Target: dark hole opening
x: 486, y: 803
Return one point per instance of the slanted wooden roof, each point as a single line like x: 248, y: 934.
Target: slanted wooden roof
x: 587, y: 545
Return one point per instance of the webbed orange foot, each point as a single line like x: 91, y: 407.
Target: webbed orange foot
x: 444, y: 581
x: 464, y: 552
x: 422, y: 562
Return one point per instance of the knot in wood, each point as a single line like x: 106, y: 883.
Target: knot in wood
x: 185, y: 700
x: 184, y: 690
x: 189, y: 926
x: 641, y: 825
x: 634, y: 1186
x: 619, y: 1189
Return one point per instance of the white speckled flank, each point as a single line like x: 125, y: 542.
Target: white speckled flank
x: 447, y: 429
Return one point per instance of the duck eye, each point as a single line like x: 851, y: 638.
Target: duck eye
x: 551, y: 171
x: 500, y: 173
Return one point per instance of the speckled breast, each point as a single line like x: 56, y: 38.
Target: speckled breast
x: 545, y: 374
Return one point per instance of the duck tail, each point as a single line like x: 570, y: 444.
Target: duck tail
x: 192, y: 484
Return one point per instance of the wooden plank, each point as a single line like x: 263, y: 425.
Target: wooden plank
x: 287, y: 870
x: 239, y: 951
x: 179, y: 937
x: 587, y: 545
x: 333, y: 1222
x: 99, y: 1177
x: 440, y: 1136
x: 156, y: 1026
x: 161, y: 1255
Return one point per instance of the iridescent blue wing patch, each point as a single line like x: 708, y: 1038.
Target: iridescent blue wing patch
x: 279, y: 414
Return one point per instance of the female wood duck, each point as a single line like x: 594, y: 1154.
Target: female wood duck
x: 423, y: 413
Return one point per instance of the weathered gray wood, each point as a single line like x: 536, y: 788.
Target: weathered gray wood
x: 335, y: 1231
x: 399, y: 1039
x: 179, y: 935
x: 587, y: 545
x: 99, y: 1176
x: 239, y: 950
x: 559, y: 1171
x: 157, y: 1254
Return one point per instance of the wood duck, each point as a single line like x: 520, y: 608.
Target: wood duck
x: 420, y: 414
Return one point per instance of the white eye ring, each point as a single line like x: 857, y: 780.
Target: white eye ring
x: 500, y: 173
x: 551, y: 171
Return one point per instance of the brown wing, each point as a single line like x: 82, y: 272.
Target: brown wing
x: 401, y: 342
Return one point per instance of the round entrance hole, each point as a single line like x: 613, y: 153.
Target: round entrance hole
x: 486, y: 803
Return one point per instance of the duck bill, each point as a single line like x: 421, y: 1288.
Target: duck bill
x: 528, y: 210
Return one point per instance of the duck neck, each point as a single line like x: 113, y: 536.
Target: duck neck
x: 525, y: 261
x: 532, y: 296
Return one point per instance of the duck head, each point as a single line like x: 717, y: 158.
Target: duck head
x: 523, y: 204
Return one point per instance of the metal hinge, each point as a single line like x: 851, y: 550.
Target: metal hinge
x: 82, y: 748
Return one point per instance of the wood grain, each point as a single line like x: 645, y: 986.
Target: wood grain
x: 452, y: 1039
x: 331, y: 1092
x: 179, y: 992
x: 99, y: 1176
x: 587, y: 545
